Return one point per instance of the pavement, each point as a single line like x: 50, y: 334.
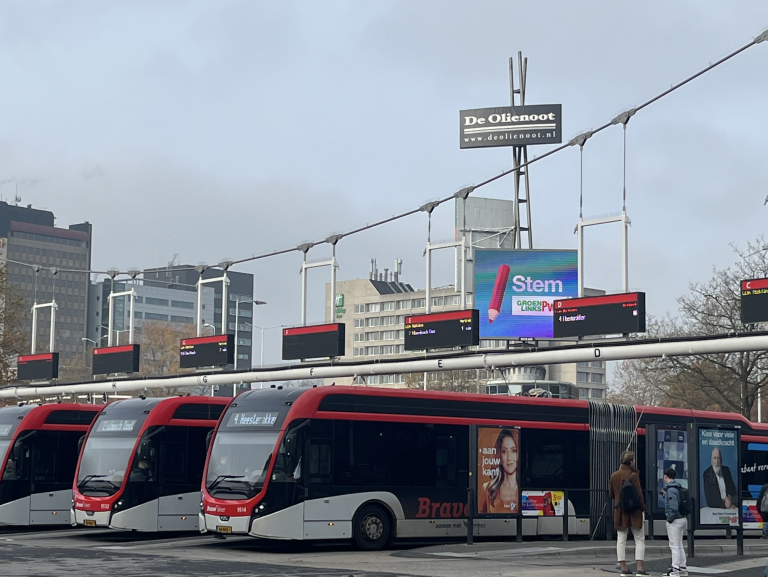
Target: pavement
x: 96, y: 552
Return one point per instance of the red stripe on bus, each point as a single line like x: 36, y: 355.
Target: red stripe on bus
x: 448, y: 420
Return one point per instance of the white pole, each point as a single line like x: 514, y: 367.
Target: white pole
x: 625, y: 251
x: 333, y: 284
x: 200, y: 310
x: 304, y: 291
x: 237, y: 321
x: 463, y: 274
x: 580, y: 257
x: 130, y: 321
x: 225, y: 305
x: 759, y: 405
x: 34, y: 328
x: 52, y: 342
x: 109, y: 324
x: 429, y: 286
x: 261, y: 360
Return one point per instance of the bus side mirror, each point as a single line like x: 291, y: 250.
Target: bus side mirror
x: 208, y: 438
x: 80, y: 442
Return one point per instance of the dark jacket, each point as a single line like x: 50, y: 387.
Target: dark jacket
x: 760, y: 500
x: 622, y: 520
x: 672, y: 501
x: 712, y: 490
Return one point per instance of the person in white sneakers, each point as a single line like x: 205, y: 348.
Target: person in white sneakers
x: 676, y: 524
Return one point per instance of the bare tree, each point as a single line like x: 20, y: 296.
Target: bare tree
x: 726, y: 382
x: 14, y: 336
x: 453, y: 381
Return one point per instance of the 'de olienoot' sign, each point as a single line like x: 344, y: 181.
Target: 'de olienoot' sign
x: 510, y: 126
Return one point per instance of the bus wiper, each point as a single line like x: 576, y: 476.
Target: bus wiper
x: 231, y: 490
x: 84, y: 482
x: 221, y: 478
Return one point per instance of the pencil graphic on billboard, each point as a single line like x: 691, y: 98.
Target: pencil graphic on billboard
x: 497, y: 297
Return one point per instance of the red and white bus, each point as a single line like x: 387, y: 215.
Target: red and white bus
x: 142, y: 464
x: 39, y: 447
x: 373, y: 464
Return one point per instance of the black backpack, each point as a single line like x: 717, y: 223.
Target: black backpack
x: 684, y: 501
x: 629, y: 500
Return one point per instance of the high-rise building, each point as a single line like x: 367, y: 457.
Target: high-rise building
x: 31, y: 242
x: 185, y: 277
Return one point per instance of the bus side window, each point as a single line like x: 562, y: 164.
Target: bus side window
x: 320, y: 452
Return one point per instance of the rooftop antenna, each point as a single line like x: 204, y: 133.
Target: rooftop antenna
x: 17, y: 198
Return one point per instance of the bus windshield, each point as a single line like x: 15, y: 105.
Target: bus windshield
x: 239, y: 463
x: 10, y: 468
x: 103, y: 464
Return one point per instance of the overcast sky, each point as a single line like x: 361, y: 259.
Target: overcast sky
x: 222, y: 129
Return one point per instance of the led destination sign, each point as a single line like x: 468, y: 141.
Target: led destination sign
x: 211, y: 351
x: 604, y: 315
x: 442, y: 330
x: 122, y: 359
x: 754, y: 301
x: 252, y: 419
x: 44, y: 367
x: 313, y: 342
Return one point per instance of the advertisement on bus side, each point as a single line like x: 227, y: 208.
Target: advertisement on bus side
x: 497, y: 465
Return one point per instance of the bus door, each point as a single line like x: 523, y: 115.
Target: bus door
x: 52, y: 463
x: 15, y: 487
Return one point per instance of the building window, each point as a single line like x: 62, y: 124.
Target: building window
x: 386, y: 321
x: 374, y: 336
x: 583, y: 393
x: 244, y: 342
x: 373, y: 307
x: 403, y: 305
x: 597, y: 393
x: 597, y: 364
x: 359, y: 352
x: 399, y: 349
x: 182, y: 320
x: 359, y: 323
x: 388, y: 306
x: 454, y: 300
x: 582, y: 364
x: 243, y: 356
x: 241, y: 312
x: 388, y: 350
x: 597, y: 378
x: 372, y: 322
x: 136, y: 315
x: 359, y: 337
x: 157, y: 302
x: 371, y: 350
x: 437, y: 301
x: 155, y: 317
x: 419, y: 303
x: 400, y: 334
x: 138, y: 299
x: 359, y: 309
x: 388, y: 335
x: 582, y: 377
x: 183, y: 305
x: 400, y: 319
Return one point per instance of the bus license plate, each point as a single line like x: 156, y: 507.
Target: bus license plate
x: 90, y: 523
x: 223, y: 529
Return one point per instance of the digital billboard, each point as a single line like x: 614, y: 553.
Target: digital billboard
x: 314, y: 341
x: 754, y: 300
x: 605, y: 315
x: 515, y: 290
x: 212, y: 351
x: 42, y: 367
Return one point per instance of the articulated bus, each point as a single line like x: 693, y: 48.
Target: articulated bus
x: 142, y: 464
x: 39, y: 447
x: 370, y: 465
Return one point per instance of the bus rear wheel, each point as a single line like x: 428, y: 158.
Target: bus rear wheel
x: 371, y: 528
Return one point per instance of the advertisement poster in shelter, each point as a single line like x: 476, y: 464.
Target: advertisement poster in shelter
x: 497, y: 463
x: 718, y: 472
x: 543, y: 503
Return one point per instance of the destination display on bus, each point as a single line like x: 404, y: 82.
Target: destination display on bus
x: 602, y: 315
x: 252, y: 419
x: 313, y: 342
x: 122, y: 359
x: 42, y: 367
x: 211, y: 351
x: 754, y: 301
x: 442, y: 330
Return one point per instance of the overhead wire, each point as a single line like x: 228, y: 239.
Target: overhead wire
x: 622, y: 118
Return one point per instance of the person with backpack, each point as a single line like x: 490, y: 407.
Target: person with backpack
x: 762, y: 508
x: 676, y: 508
x: 628, y: 512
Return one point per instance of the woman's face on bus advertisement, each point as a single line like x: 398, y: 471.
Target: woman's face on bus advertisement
x: 509, y: 455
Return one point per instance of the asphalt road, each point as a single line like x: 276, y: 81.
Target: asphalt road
x: 95, y: 553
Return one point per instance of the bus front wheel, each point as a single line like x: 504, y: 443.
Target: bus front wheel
x: 371, y: 528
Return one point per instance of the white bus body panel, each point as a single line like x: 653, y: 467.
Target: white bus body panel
x: 179, y: 512
x: 140, y: 518
x: 101, y: 517
x: 285, y: 524
x: 51, y: 508
x: 16, y: 512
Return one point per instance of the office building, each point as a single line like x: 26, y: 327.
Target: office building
x: 29, y: 239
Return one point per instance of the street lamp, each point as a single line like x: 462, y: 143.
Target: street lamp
x: 213, y: 328
x: 94, y: 343
x: 262, y: 329
x: 237, y: 318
